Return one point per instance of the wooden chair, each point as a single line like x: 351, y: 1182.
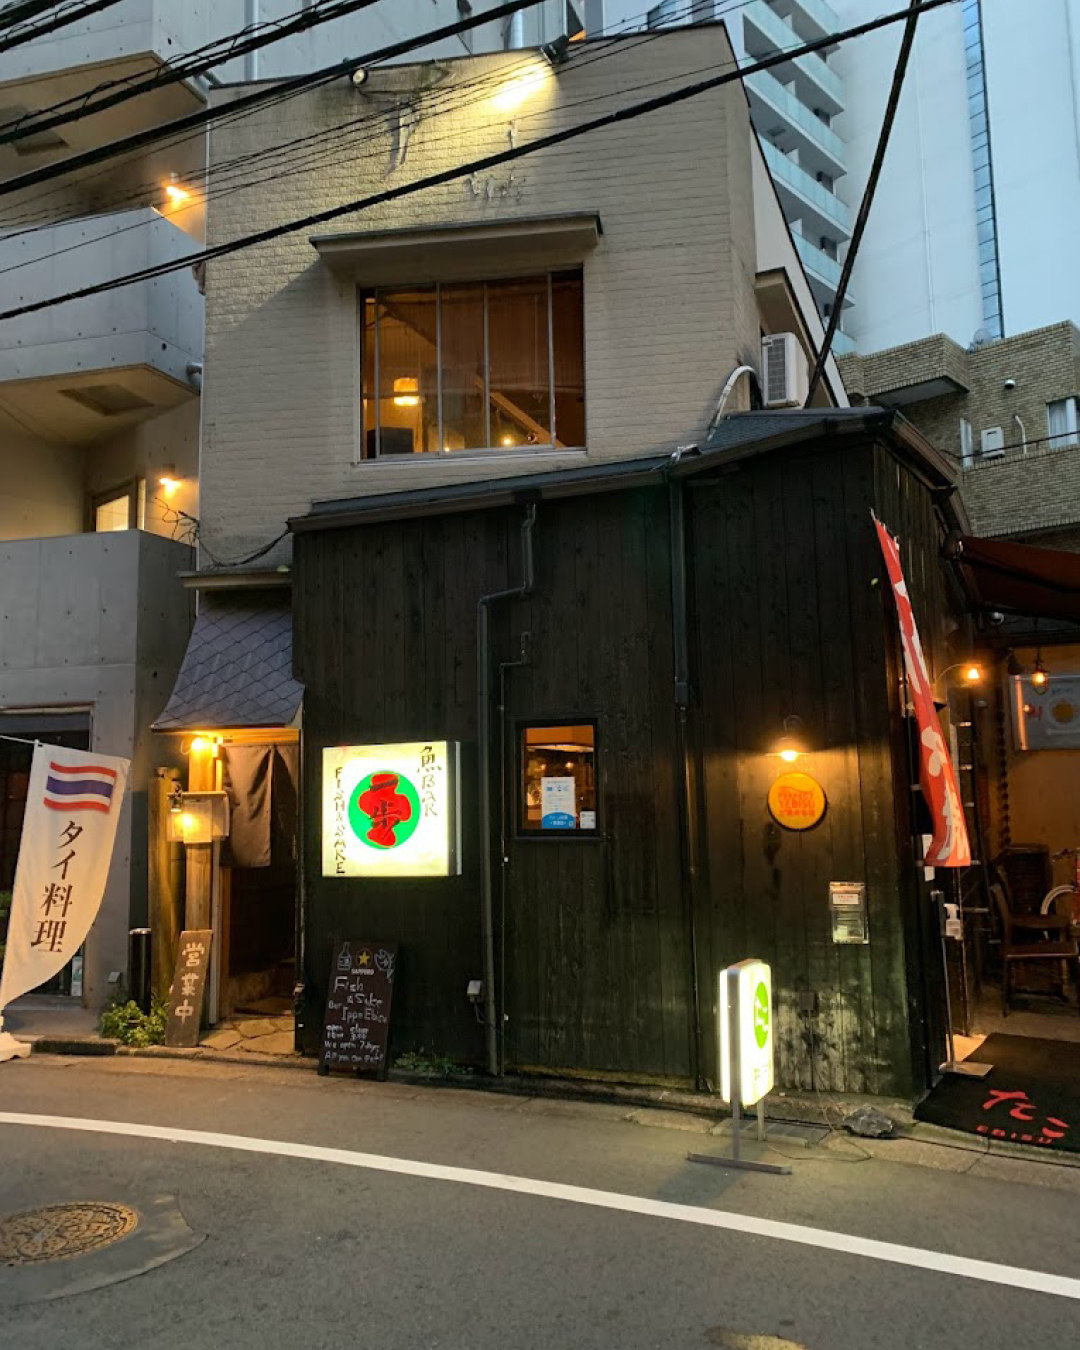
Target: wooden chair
x: 1018, y: 943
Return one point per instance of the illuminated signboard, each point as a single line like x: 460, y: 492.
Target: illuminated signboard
x: 391, y: 810
x: 746, y: 1031
x: 796, y: 801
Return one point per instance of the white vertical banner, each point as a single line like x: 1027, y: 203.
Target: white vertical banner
x: 72, y: 806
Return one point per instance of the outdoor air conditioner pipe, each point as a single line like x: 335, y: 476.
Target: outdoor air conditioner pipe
x: 483, y: 738
x: 193, y: 370
x: 1023, y: 433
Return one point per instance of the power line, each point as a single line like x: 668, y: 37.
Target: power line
x: 899, y: 72
x: 258, y: 98
x: 112, y: 92
x: 67, y: 14
x: 138, y: 194
x: 480, y: 165
x: 18, y: 13
x: 281, y: 162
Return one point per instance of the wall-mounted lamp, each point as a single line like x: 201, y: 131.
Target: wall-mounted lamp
x: 201, y: 745
x: 168, y: 481
x: 1040, y: 676
x: 557, y: 53
x: 972, y: 672
x: 175, y: 195
x: 791, y: 744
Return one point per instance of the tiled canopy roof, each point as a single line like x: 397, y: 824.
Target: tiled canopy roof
x: 237, y: 670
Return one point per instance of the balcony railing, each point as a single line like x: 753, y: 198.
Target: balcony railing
x: 155, y: 323
x: 817, y: 79
x: 820, y: 266
x: 129, y: 32
x: 811, y: 18
x: 842, y: 344
x: 817, y: 199
x: 770, y: 101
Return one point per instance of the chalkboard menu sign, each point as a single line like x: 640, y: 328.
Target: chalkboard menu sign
x: 357, y: 1023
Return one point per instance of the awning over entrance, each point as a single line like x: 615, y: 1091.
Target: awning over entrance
x: 1020, y: 578
x: 237, y: 670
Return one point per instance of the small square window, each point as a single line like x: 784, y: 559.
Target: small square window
x: 557, y: 780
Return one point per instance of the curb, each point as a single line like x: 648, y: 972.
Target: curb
x: 793, y: 1108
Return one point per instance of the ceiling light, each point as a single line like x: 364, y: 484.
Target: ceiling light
x: 406, y: 392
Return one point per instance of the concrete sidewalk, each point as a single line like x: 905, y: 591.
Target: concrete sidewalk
x: 44, y: 1017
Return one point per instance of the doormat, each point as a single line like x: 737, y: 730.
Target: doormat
x: 1031, y: 1096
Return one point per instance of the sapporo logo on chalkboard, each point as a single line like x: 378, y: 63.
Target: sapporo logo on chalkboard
x: 384, y: 809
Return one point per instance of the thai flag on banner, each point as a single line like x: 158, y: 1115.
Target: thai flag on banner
x: 949, y: 846
x: 79, y: 787
x: 73, y: 806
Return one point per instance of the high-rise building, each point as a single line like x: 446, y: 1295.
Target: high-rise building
x: 972, y: 231
x: 971, y: 227
x: 795, y: 107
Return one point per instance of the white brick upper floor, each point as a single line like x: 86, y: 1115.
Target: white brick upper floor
x: 668, y: 289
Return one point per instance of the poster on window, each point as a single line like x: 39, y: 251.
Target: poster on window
x: 949, y: 845
x: 558, y: 803
x: 391, y: 810
x: 72, y: 806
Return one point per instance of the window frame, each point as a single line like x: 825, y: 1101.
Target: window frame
x: 129, y: 489
x: 522, y: 833
x: 1070, y: 437
x: 550, y: 447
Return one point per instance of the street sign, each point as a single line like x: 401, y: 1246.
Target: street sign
x: 746, y: 1031
x: 188, y: 986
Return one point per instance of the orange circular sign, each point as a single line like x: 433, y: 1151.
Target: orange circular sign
x: 796, y: 801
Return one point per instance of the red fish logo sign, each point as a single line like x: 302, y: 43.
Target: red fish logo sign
x: 384, y: 810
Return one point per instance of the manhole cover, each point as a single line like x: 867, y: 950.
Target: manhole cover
x: 57, y: 1232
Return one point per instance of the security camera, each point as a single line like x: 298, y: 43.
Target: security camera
x: 1010, y: 385
x: 995, y: 617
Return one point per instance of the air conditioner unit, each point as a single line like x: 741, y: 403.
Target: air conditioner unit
x: 991, y: 443
x: 786, y: 379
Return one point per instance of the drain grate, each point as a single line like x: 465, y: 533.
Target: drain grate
x: 58, y: 1232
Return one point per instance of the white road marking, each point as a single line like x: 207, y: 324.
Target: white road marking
x: 941, y: 1263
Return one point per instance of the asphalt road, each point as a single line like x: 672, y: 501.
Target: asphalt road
x: 322, y: 1252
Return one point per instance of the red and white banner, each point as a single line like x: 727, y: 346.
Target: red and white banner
x: 949, y: 845
x: 72, y: 805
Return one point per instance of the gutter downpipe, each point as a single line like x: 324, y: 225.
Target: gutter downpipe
x: 688, y: 834
x: 483, y: 725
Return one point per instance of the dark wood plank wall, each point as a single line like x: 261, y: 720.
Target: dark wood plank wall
x: 595, y: 936
x: 385, y: 623
x: 789, y: 620
x: 598, y: 959
x: 788, y: 615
